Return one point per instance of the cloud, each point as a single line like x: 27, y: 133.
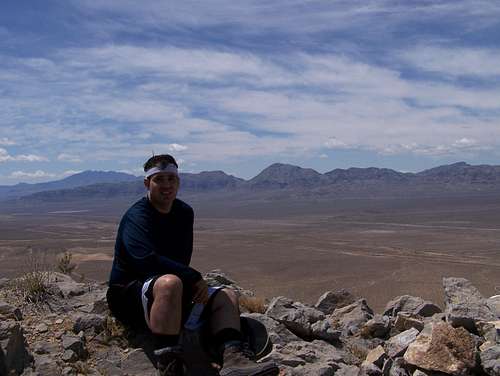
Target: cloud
x: 176, y: 147
x: 6, y: 157
x: 456, y: 61
x: 6, y: 141
x: 32, y: 175
x: 68, y: 158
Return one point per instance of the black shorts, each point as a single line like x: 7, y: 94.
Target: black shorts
x: 131, y: 303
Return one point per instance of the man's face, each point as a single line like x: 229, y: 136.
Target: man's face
x: 162, y: 188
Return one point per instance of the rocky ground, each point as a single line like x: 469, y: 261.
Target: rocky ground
x: 58, y: 326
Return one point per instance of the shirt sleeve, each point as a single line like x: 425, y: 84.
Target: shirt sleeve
x: 144, y: 258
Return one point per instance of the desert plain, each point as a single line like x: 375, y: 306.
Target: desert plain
x: 376, y: 248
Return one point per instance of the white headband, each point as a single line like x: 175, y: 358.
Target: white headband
x: 167, y: 168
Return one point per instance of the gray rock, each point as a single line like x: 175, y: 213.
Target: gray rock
x: 398, y: 368
x: 442, y: 348
x: 108, y: 368
x: 351, y: 318
x: 67, y: 286
x: 490, y: 360
x: 278, y: 333
x: 370, y: 370
x: 330, y: 301
x: 89, y: 322
x: 45, y: 365
x: 74, y: 343
x: 376, y: 356
x: 494, y: 304
x: 323, y: 330
x: 403, y: 303
x: 69, y: 356
x: 405, y: 321
x: 297, y: 317
x: 13, y: 347
x: 427, y: 309
x: 347, y: 370
x: 137, y: 363
x: 303, y: 354
x: 10, y: 312
x: 44, y: 347
x: 397, y: 345
x: 465, y: 305
x: 378, y: 327
x: 41, y: 328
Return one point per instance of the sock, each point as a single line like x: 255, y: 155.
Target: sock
x: 227, y: 335
x: 161, y: 341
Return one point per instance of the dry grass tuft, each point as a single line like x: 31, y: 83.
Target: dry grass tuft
x: 253, y: 304
x: 64, y: 264
x: 34, y: 284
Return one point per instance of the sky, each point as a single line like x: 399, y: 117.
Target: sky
x: 237, y: 85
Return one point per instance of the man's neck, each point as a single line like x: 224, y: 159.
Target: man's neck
x: 164, y: 209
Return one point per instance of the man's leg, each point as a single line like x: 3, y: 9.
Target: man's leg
x: 166, y: 311
x: 225, y: 312
x: 226, y: 331
x: 165, y: 316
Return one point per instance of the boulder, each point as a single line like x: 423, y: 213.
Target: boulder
x: 75, y: 344
x: 10, y: 312
x: 137, y: 363
x: 398, y: 368
x: 376, y: 356
x: 278, y: 333
x: 89, y: 322
x: 465, y: 305
x: 405, y: 321
x: 440, y: 347
x: 494, y: 304
x: 490, y: 360
x: 297, y: 317
x: 330, y: 301
x: 304, y: 354
x: 66, y: 286
x: 378, y: 327
x: 350, y: 319
x: 397, y: 345
x: 403, y: 303
x: 14, y: 355
x: 323, y: 330
x: 347, y: 370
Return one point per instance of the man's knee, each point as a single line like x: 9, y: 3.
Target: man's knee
x: 167, y: 285
x: 226, y: 296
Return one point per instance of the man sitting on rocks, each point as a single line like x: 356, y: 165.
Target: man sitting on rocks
x: 152, y: 284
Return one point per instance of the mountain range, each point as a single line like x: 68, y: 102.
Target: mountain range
x: 278, y: 179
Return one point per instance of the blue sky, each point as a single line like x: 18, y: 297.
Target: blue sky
x: 237, y: 85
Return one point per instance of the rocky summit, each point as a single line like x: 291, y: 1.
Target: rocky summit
x: 52, y: 325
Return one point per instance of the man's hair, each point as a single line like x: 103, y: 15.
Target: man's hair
x: 159, y: 160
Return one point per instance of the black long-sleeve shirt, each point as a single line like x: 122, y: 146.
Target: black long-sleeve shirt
x: 151, y: 243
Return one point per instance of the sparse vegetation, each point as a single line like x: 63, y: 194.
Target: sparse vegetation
x: 253, y: 304
x: 64, y: 264
x: 34, y: 284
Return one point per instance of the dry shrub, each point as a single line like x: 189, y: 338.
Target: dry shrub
x: 252, y: 304
x: 64, y: 264
x: 34, y: 284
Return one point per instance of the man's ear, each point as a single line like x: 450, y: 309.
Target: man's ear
x: 146, y: 183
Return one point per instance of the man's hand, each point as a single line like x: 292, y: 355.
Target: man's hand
x: 200, y: 292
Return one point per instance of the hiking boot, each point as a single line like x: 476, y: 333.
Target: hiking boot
x: 169, y: 362
x: 238, y: 361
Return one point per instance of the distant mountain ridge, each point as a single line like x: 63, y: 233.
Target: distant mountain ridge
x: 73, y: 181
x: 278, y: 177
